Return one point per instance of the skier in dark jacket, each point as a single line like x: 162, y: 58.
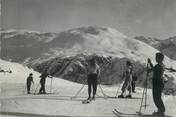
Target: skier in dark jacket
x: 42, y: 82
x: 93, y: 73
x: 158, y: 83
x: 29, y: 81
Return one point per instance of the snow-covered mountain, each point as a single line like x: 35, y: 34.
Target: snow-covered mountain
x: 167, y: 46
x: 148, y: 40
x: 66, y: 54
x: 19, y: 45
x: 99, y: 40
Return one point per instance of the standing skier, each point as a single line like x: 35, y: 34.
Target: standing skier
x: 128, y: 80
x: 93, y: 73
x: 158, y: 83
x: 42, y: 82
x: 29, y: 81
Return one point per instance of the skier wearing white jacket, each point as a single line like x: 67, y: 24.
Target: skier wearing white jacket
x: 128, y: 80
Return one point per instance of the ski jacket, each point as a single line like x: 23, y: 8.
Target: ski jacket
x: 158, y: 71
x: 43, y: 78
x: 29, y: 79
x: 128, y: 74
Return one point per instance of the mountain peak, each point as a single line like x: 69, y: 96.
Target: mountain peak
x: 95, y: 30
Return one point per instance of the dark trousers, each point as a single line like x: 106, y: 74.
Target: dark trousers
x: 42, y: 89
x: 133, y: 86
x: 92, y: 82
x: 157, y: 93
x: 28, y: 87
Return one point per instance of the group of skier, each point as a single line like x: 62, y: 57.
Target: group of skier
x: 93, y: 72
x: 42, y: 82
x: 157, y: 82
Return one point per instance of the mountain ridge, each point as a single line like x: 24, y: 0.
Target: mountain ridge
x: 167, y: 46
x: 68, y: 53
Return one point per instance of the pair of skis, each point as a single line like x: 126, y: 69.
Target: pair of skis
x: 137, y: 114
x: 120, y: 114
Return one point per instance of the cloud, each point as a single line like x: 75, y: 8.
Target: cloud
x: 132, y: 17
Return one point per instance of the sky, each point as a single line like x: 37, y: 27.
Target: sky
x: 152, y: 18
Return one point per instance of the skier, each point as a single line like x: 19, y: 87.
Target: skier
x: 93, y: 73
x: 158, y: 83
x: 5, y: 71
x: 128, y: 79
x: 29, y: 81
x: 42, y: 82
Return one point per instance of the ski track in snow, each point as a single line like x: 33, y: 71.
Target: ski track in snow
x: 17, y: 102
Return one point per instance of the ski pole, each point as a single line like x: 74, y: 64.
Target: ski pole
x: 25, y: 89
x: 117, y: 91
x: 32, y: 86
x: 51, y: 85
x: 144, y: 93
x: 78, y: 91
x: 36, y: 88
x: 105, y: 96
x: 146, y: 89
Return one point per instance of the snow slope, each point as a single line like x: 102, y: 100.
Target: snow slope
x: 20, y: 73
x: 14, y: 101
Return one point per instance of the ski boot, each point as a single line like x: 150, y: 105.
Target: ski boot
x: 158, y: 113
x: 129, y: 96
x: 89, y: 98
x: 120, y: 96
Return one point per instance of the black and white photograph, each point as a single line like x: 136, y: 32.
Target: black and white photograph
x: 87, y: 58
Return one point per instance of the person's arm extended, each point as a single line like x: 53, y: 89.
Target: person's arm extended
x: 98, y: 74
x: 151, y: 65
x: 98, y: 70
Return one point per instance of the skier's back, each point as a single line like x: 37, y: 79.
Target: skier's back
x: 92, y: 75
